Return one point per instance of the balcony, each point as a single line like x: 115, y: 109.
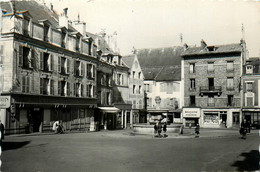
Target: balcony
x: 210, y: 90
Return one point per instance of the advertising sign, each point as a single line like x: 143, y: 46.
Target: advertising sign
x: 191, y: 112
x: 5, y: 102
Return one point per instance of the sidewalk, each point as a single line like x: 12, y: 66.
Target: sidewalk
x: 123, y: 133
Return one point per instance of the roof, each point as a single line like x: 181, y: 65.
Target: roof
x: 218, y: 49
x: 169, y: 56
x: 162, y: 73
x: 38, y: 11
x: 253, y: 61
x: 129, y: 60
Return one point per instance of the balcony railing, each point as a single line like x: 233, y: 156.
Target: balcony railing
x: 210, y: 90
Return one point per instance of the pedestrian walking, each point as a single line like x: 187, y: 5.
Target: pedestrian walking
x: 164, y: 129
x: 159, y: 128
x: 155, y: 129
x: 55, y: 126
x: 243, y: 128
x: 197, y: 130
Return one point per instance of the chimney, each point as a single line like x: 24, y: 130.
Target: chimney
x: 51, y: 7
x: 63, y: 19
x: 65, y: 11
x: 185, y: 46
x: 203, y: 44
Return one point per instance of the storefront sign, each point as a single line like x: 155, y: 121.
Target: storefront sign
x: 191, y: 113
x: 5, y: 102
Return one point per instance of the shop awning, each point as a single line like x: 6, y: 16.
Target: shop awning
x: 109, y: 109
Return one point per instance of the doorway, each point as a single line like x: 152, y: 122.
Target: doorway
x: 35, y: 117
x: 211, y: 83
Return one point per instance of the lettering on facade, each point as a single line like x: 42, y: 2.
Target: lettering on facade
x: 191, y: 113
x: 4, y: 102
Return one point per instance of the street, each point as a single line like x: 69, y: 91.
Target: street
x: 99, y: 151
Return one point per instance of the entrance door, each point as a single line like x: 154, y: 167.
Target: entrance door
x: 211, y: 83
x: 36, y: 117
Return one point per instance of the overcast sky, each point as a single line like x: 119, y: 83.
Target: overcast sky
x: 159, y: 23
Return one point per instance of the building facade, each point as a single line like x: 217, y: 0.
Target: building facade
x: 49, y: 70
x: 251, y: 90
x: 136, y: 88
x: 212, y: 78
x: 161, y: 68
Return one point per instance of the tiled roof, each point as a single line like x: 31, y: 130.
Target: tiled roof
x: 151, y: 72
x: 128, y: 60
x: 218, y: 49
x: 170, y: 56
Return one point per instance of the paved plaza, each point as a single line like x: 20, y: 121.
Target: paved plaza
x: 122, y: 150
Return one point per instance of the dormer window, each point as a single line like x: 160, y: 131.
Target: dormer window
x: 249, y: 69
x: 26, y: 26
x: 119, y: 60
x: 47, y: 32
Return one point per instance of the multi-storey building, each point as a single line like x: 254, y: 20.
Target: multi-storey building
x: 136, y: 88
x: 161, y: 68
x: 48, y: 66
x: 211, y: 76
x: 251, y: 90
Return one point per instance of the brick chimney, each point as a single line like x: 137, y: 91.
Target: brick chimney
x: 63, y: 18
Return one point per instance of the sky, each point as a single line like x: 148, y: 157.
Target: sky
x: 159, y: 23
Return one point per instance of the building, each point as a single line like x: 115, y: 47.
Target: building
x: 48, y: 66
x: 136, y: 88
x: 211, y: 76
x: 161, y: 68
x: 251, y: 91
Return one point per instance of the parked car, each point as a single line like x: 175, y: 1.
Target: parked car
x: 256, y: 125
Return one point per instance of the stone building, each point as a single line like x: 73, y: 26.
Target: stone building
x: 49, y: 69
x: 161, y: 68
x: 211, y: 76
x: 251, y: 90
x: 136, y: 89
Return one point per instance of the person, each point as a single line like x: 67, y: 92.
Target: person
x: 248, y: 126
x: 243, y: 129
x: 197, y: 130
x: 164, y: 130
x: 2, y: 128
x: 155, y: 129
x: 55, y: 126
x: 159, y: 128
x: 60, y: 128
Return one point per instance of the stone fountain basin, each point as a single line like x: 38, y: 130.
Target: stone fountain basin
x: 149, y: 129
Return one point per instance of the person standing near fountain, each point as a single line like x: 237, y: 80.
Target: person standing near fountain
x: 159, y: 128
x: 155, y: 129
x: 164, y: 129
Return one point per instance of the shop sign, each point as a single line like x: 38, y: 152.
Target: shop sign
x: 191, y: 113
x: 5, y: 102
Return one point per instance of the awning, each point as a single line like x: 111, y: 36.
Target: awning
x: 109, y: 109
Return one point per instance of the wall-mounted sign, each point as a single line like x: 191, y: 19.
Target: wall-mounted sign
x: 191, y: 112
x: 5, y: 102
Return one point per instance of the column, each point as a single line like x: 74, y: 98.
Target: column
x: 131, y: 118
x: 125, y: 119
x: 122, y: 118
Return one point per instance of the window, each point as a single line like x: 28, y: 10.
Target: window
x: 210, y: 67
x: 78, y: 68
x: 139, y: 75
x: 192, y: 67
x: 26, y: 26
x: 26, y: 57
x: 46, y: 86
x: 192, y: 101
x: 249, y: 86
x: 230, y: 66
x: 109, y: 102
x: 230, y: 83
x: 63, y: 65
x: 109, y: 81
x: 192, y: 84
x: 46, y: 62
x: 134, y: 89
x: 149, y: 102
x: 230, y: 100
x: 90, y: 90
x: 63, y: 39
x: 26, y: 84
x: 139, y: 90
x: 91, y: 71
x: 249, y: 69
x: 147, y: 88
x: 119, y: 79
x: 79, y: 89
x: 63, y: 88
x: 78, y: 43
x: 133, y: 74
x: 47, y: 32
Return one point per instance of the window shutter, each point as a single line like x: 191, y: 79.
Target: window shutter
x: 20, y: 56
x: 41, y: 60
x: 52, y: 87
x: 94, y: 71
x: 82, y: 90
x: 87, y: 90
x: 59, y: 64
x: 68, y: 66
x: 82, y: 69
x: 41, y: 85
x: 68, y: 89
x: 27, y: 84
x: 51, y: 62
x: 86, y: 70
x: 94, y: 91
x: 75, y: 67
x: 51, y: 35
x: 59, y: 88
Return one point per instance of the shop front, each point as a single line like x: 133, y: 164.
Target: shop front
x: 107, y: 118
x: 251, y: 115
x: 191, y: 116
